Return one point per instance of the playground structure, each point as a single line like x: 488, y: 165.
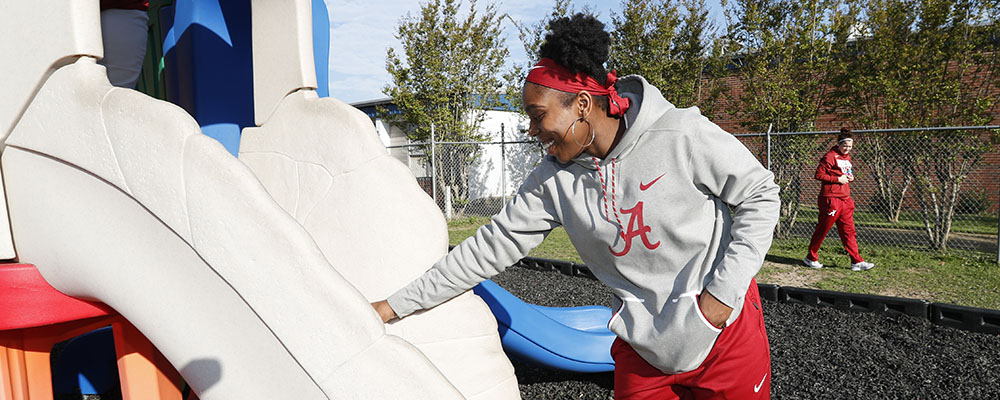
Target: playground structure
x: 251, y: 276
x: 125, y: 203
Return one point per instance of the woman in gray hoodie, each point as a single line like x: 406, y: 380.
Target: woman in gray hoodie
x: 666, y: 208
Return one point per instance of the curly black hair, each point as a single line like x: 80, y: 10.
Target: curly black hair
x: 578, y: 43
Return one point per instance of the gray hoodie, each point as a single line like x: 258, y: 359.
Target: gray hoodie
x: 652, y: 221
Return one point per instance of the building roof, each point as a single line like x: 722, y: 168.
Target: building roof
x: 370, y: 106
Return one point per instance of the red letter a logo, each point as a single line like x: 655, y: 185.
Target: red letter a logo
x: 640, y: 229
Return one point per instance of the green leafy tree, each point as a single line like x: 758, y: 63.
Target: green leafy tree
x: 701, y: 60
x: 958, y: 84
x: 446, y: 77
x: 671, y: 45
x: 924, y: 63
x: 783, y: 53
x: 643, y: 39
x: 871, y: 86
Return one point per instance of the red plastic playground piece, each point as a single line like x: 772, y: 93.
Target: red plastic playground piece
x: 34, y: 316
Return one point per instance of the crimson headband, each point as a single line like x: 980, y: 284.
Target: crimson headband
x: 551, y: 75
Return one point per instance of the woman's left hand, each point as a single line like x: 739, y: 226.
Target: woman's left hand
x: 714, y: 310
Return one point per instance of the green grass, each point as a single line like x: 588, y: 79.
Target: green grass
x: 556, y: 246
x: 955, y: 277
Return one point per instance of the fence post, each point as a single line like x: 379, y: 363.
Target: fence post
x: 769, y: 146
x: 434, y: 192
x: 447, y: 202
x: 503, y: 166
x: 998, y: 227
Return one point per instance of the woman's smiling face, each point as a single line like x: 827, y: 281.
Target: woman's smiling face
x: 844, y: 146
x: 551, y: 122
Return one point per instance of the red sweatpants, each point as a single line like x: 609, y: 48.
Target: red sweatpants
x: 738, y: 367
x: 840, y: 211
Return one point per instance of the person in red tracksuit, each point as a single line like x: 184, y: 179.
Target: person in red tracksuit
x: 835, y: 204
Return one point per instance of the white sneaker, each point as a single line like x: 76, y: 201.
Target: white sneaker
x: 862, y: 266
x: 812, y: 264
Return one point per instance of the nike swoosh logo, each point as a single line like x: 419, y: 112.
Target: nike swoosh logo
x: 643, y: 187
x: 757, y: 387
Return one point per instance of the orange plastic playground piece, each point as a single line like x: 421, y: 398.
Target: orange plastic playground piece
x: 34, y: 316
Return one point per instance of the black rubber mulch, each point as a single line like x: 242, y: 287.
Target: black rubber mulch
x: 816, y: 353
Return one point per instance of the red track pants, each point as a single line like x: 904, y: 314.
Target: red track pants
x: 840, y: 211
x: 738, y: 367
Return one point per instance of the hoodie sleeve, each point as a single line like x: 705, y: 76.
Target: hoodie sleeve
x: 524, y: 223
x: 826, y: 168
x: 725, y: 168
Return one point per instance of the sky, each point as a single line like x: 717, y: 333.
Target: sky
x: 362, y: 30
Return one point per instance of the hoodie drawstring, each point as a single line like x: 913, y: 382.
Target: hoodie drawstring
x: 604, y: 192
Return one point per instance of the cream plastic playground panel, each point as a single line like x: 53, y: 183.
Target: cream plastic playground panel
x: 36, y: 37
x: 322, y: 161
x: 118, y: 197
x: 283, y: 52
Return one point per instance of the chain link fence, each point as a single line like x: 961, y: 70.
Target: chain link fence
x: 470, y: 178
x: 926, y: 188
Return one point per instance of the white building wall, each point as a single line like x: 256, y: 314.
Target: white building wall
x: 394, y: 139
x: 382, y: 128
x: 499, y: 172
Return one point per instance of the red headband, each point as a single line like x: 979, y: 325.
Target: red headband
x: 551, y: 75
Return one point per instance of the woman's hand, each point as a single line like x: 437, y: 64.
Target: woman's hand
x: 714, y: 310
x: 384, y: 311
x: 843, y: 179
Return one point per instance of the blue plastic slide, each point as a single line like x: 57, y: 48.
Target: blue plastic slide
x: 572, y: 338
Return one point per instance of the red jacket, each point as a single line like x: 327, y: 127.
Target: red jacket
x: 831, y: 166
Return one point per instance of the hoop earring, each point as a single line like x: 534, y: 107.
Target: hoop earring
x: 573, y: 133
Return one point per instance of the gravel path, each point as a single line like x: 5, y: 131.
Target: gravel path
x: 816, y: 353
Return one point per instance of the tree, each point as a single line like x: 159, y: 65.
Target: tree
x: 701, y: 60
x: 446, y: 78
x: 924, y: 63
x: 643, y: 39
x: 782, y: 51
x: 871, y: 87
x: 958, y: 84
x: 671, y: 48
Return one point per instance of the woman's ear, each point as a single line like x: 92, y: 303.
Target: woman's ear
x: 585, y: 102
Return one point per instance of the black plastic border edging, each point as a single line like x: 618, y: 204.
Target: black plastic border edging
x: 768, y: 291
x: 855, y: 302
x: 960, y: 317
x: 967, y: 318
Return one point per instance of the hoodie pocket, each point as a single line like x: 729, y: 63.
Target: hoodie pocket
x: 697, y: 305
x: 617, y: 316
x: 677, y: 339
